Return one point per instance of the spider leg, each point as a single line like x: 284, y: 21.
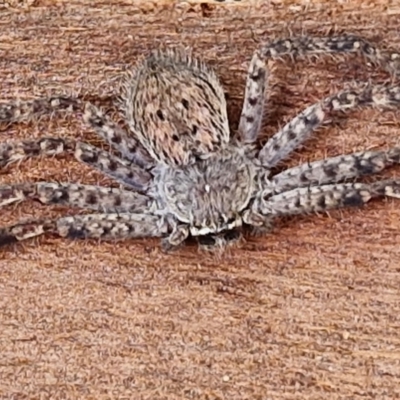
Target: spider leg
x: 307, y: 45
x: 124, y: 171
x: 100, y: 226
x: 324, y: 198
x: 335, y: 169
x: 97, y: 198
x: 128, y: 146
x: 254, y: 99
x: 15, y: 151
x: 303, y: 125
x: 26, y: 110
x: 279, y: 146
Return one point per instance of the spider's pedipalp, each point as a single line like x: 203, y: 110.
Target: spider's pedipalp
x: 335, y: 169
x: 97, y: 198
x: 128, y: 146
x: 100, y: 226
x: 218, y: 243
x: 254, y: 99
x: 302, y: 126
x: 178, y: 234
x: 26, y: 110
x: 308, y: 45
x: 326, y: 197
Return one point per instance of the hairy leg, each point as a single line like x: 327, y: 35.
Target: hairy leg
x: 335, y: 169
x: 128, y: 146
x: 100, y: 226
x: 26, y: 110
x: 97, y: 198
x: 302, y: 126
x: 254, y: 98
x: 11, y: 152
x: 326, y: 197
x: 308, y: 45
x: 124, y: 171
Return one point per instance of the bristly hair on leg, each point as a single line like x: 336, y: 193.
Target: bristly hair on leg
x: 127, y: 145
x: 346, y: 43
x: 300, y: 128
x: 100, y: 226
x: 335, y: 169
x: 254, y: 99
x: 199, y: 180
x: 102, y: 199
x: 26, y: 110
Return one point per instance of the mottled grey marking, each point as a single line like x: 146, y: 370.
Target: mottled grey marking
x: 184, y: 173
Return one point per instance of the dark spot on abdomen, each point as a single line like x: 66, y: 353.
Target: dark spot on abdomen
x: 185, y: 104
x: 160, y: 115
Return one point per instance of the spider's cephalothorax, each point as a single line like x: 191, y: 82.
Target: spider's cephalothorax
x: 184, y: 173
x: 211, y: 195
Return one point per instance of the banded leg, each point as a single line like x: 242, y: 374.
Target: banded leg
x: 128, y: 146
x: 100, y: 226
x: 126, y: 172
x: 335, y: 169
x: 97, y: 198
x: 123, y: 171
x: 302, y: 126
x: 327, y: 197
x: 254, y: 99
x: 307, y: 45
x: 26, y: 110
x: 11, y: 152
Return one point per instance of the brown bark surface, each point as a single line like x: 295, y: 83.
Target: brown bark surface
x: 310, y: 311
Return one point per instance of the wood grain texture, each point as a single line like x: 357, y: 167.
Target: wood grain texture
x: 310, y: 311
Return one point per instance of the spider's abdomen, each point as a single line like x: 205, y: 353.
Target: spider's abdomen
x: 210, y: 195
x: 176, y: 107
